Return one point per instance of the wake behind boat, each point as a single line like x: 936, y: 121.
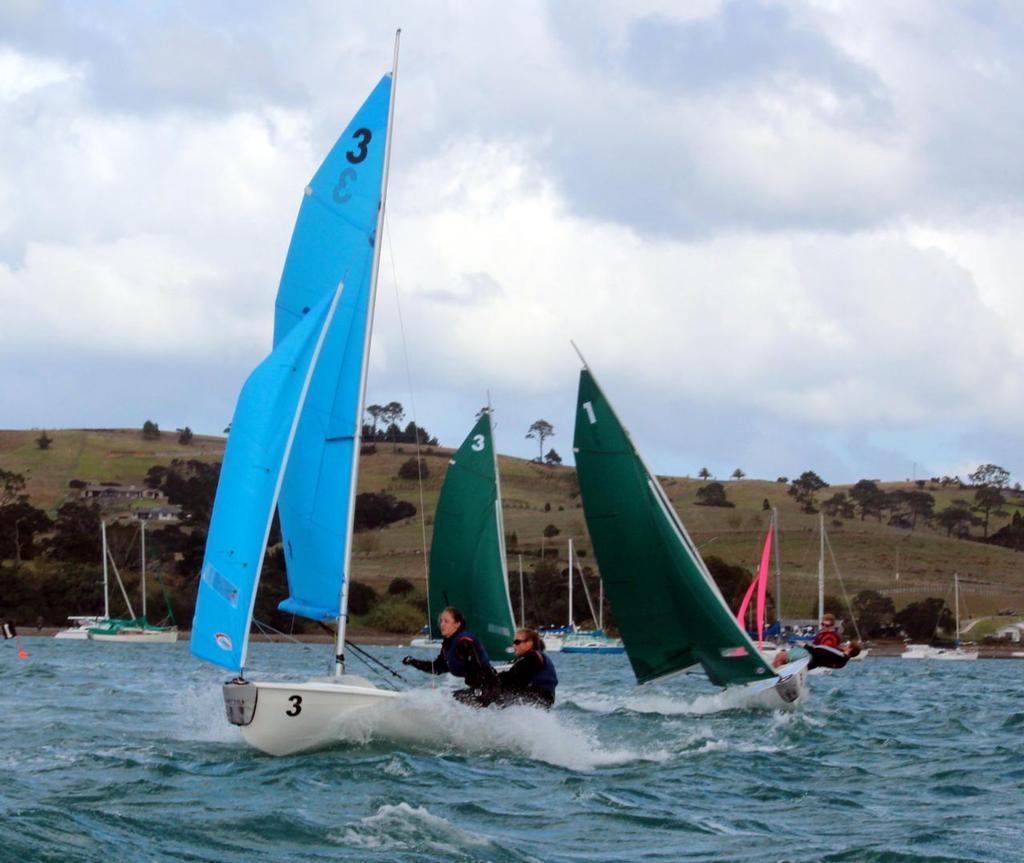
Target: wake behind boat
x: 294, y: 446
x: 670, y: 612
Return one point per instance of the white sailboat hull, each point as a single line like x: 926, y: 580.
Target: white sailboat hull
x: 138, y: 636
x: 784, y: 692
x: 296, y: 717
x: 552, y: 643
x: 924, y: 651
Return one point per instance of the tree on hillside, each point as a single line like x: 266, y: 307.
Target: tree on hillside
x: 805, y: 488
x: 874, y: 612
x: 391, y: 416
x: 76, y: 534
x: 990, y: 501
x: 713, y: 494
x: 375, y: 412
x: 185, y: 436
x: 541, y: 430
x: 958, y: 519
x: 990, y: 475
x: 414, y: 468
x: 417, y: 434
x: 12, y: 487
x: 377, y: 510
x: 150, y: 430
x: 704, y: 473
x: 870, y: 499
x: 551, y: 531
x: 738, y: 474
x: 190, y: 484
x: 921, y: 505
x: 920, y: 620
x: 838, y: 505
x: 20, y: 523
x: 44, y: 440
x: 552, y: 458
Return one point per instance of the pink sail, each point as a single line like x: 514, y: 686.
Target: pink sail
x: 761, y: 583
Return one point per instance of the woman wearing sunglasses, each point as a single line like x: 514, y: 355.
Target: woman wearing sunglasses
x: 531, y: 679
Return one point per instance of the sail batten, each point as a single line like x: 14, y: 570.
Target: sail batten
x: 670, y: 613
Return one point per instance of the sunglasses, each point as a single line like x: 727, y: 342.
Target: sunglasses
x: 521, y: 640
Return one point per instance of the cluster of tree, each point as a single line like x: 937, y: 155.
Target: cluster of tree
x: 383, y: 426
x: 377, y: 510
x: 20, y: 522
x: 906, y: 507
x: 150, y: 430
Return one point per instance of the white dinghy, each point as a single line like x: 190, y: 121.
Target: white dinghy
x: 294, y: 446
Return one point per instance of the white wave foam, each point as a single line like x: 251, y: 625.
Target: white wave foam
x: 640, y: 701
x: 402, y: 827
x: 200, y: 709
x: 432, y: 718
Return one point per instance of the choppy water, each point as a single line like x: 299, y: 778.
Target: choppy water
x: 121, y: 752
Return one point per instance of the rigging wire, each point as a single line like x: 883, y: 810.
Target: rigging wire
x: 842, y: 585
x: 412, y: 402
x: 370, y: 661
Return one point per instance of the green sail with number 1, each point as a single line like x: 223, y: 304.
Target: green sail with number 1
x: 467, y: 554
x: 669, y: 610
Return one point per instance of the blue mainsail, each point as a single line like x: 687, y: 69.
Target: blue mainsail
x: 333, y: 240
x: 246, y: 492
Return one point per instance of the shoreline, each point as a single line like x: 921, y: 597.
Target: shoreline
x: 388, y: 639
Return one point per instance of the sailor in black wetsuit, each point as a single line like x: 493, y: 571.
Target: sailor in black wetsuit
x: 824, y: 656
x: 531, y: 679
x: 463, y: 655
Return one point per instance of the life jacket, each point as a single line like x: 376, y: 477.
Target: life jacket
x: 827, y: 638
x: 455, y: 665
x: 546, y: 679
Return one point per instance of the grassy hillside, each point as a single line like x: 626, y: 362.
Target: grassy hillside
x: 868, y: 553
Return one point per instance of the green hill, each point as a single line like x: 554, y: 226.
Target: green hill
x: 868, y: 553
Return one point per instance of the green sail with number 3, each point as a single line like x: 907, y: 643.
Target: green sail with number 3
x: 467, y: 554
x: 669, y: 610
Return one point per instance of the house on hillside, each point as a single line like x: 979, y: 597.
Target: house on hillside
x: 1012, y: 632
x: 101, y: 492
x: 170, y: 512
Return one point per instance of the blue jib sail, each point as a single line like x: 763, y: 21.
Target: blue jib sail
x: 333, y: 241
x: 245, y: 493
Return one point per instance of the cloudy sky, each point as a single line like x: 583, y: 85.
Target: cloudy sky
x: 786, y: 236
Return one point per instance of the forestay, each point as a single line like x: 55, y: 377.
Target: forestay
x: 670, y: 613
x: 333, y: 240
x: 467, y: 554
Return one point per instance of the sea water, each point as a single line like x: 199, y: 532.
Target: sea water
x: 113, y: 752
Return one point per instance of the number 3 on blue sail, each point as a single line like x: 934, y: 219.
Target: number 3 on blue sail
x: 363, y: 136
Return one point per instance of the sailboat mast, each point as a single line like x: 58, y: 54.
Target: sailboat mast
x: 600, y: 606
x: 106, y: 577
x: 499, y: 517
x: 956, y: 603
x: 522, y: 596
x: 572, y: 624
x: 142, y: 565
x: 821, y: 570
x: 778, y: 570
x: 339, y: 647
